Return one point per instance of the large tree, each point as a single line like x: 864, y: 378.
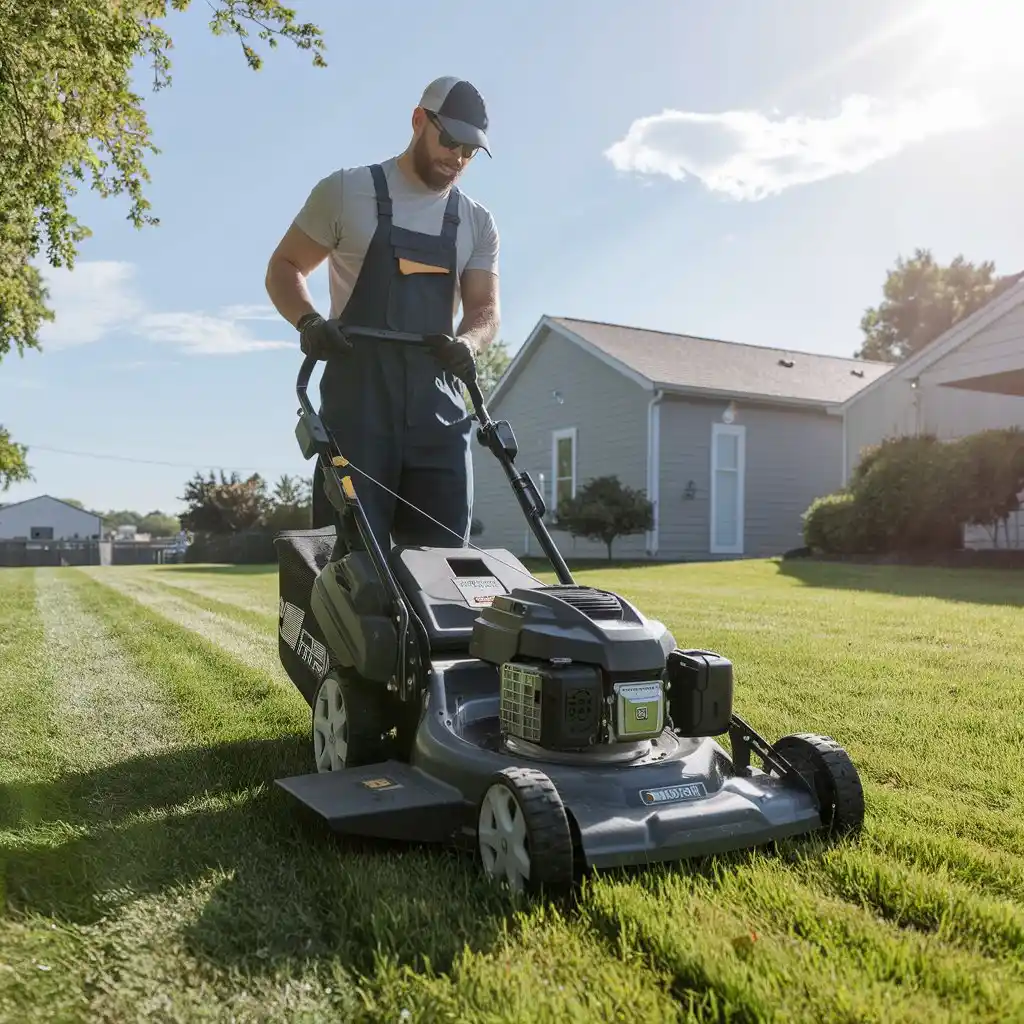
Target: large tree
x: 69, y: 115
x: 921, y: 300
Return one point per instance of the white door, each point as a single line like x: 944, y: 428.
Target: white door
x: 728, y: 468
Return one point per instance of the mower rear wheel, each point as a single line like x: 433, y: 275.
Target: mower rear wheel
x: 831, y: 773
x: 523, y: 832
x: 348, y: 724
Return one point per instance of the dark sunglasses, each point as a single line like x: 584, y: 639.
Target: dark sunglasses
x: 448, y: 142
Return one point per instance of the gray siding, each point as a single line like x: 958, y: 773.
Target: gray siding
x: 609, y: 412
x: 999, y: 347
x: 791, y: 458
x: 67, y: 522
x: 893, y: 408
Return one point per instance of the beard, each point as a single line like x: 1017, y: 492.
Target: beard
x: 433, y: 172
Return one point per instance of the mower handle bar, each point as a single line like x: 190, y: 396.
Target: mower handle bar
x: 401, y: 337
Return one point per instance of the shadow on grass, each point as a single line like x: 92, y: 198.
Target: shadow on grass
x: 244, y: 876
x: 969, y: 585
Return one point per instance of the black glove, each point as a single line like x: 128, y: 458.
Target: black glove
x: 321, y: 338
x: 455, y: 355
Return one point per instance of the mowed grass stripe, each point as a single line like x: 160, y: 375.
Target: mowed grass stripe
x: 249, y: 644
x: 25, y: 753
x: 222, y: 690
x: 249, y: 587
x: 222, y: 602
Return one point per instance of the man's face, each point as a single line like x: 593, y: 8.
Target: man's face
x: 437, y: 164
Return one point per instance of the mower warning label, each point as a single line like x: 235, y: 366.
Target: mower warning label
x: 479, y: 591
x: 673, y: 794
x: 378, y: 784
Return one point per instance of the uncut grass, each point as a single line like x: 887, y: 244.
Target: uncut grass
x: 921, y: 920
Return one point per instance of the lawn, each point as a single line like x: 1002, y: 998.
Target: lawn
x: 151, y: 870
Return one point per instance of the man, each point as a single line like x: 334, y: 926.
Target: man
x: 406, y: 247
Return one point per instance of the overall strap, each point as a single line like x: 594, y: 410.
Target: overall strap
x: 380, y: 186
x: 451, y: 216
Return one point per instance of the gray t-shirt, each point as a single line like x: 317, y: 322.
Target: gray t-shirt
x: 341, y: 213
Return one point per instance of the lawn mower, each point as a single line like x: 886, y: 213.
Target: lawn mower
x: 550, y: 728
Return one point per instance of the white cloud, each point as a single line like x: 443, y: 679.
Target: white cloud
x: 749, y: 155
x: 89, y: 302
x: 200, y: 334
x: 251, y: 312
x: 98, y: 299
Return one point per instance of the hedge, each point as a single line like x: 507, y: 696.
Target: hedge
x: 915, y: 494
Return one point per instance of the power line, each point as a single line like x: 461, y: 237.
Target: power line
x: 143, y: 462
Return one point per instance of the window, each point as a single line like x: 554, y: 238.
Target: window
x: 42, y: 533
x: 563, y: 466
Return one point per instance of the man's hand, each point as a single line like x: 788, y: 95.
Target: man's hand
x: 321, y: 338
x: 455, y: 355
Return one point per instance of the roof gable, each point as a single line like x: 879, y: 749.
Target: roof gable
x: 959, y: 334
x: 50, y: 498
x: 687, y: 364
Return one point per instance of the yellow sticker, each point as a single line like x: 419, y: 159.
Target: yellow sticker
x: 379, y: 784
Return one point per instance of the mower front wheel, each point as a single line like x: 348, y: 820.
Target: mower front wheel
x: 829, y: 771
x: 348, y: 724
x: 523, y: 832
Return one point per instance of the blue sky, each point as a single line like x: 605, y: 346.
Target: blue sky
x: 744, y: 170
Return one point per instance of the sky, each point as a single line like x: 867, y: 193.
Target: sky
x: 745, y: 170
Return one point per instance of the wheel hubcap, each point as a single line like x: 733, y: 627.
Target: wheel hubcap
x: 330, y: 728
x: 504, y: 845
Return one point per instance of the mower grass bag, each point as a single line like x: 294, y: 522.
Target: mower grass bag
x: 301, y: 554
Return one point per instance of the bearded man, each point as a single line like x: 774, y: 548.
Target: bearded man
x: 406, y: 248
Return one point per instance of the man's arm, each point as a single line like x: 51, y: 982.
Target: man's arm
x: 315, y: 231
x: 294, y: 259
x: 481, y: 312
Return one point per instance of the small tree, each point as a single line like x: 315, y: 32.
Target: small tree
x: 290, y: 504
x: 604, y: 509
x: 227, y: 505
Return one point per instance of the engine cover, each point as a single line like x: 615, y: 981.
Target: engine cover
x: 584, y: 625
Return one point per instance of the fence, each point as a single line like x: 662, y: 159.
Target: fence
x: 38, y: 554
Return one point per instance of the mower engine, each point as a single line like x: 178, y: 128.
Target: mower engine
x: 563, y: 706
x: 581, y: 668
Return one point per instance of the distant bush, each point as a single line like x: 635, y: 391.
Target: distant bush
x: 915, y: 494
x: 830, y: 525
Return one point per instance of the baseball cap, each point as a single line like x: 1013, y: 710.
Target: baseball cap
x: 460, y: 109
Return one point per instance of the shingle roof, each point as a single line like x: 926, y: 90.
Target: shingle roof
x: 682, y: 361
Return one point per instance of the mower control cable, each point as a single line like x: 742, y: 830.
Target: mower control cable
x: 486, y: 435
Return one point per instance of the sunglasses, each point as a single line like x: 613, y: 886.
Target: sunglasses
x: 448, y: 142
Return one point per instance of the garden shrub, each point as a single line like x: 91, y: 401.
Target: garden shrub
x: 916, y: 494
x: 831, y: 527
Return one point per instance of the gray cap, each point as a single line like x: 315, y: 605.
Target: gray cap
x: 460, y: 109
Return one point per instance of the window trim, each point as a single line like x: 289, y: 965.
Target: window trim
x: 556, y: 436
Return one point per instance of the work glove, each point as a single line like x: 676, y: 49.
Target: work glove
x: 321, y: 338
x: 455, y: 355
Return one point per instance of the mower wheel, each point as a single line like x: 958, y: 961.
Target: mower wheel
x: 348, y: 723
x: 523, y: 832
x: 831, y: 773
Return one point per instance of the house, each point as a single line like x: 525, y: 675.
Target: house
x: 970, y: 378
x: 731, y: 442
x: 45, y: 519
